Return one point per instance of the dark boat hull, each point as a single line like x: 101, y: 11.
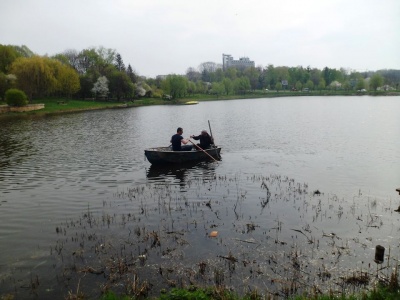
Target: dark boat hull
x: 164, y: 155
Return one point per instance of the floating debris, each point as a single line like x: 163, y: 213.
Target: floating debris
x: 213, y: 233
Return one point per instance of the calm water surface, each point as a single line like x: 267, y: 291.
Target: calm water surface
x: 54, y: 168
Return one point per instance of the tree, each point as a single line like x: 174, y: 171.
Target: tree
x: 376, y: 81
x: 228, y: 85
x: 34, y: 76
x: 253, y: 75
x: 71, y: 56
x: 119, y: 64
x: 231, y: 73
x: 193, y: 75
x: 120, y: 85
x: 217, y: 88
x: 241, y: 85
x: 191, y: 87
x: 140, y: 90
x: 201, y: 87
x: 6, y: 82
x: 100, y: 88
x: 86, y: 84
x: 175, y: 85
x: 322, y: 84
x: 208, y: 66
x: 278, y: 86
x: 23, y: 51
x: 68, y: 81
x: 270, y: 76
x: 315, y: 76
x: 87, y: 61
x: 310, y: 85
x: 7, y: 56
x: 131, y: 74
x: 360, y: 84
x: 298, y: 85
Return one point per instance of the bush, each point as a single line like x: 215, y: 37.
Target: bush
x: 15, y: 97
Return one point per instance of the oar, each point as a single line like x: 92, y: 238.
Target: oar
x: 203, y: 150
x: 209, y: 126
x: 212, y: 138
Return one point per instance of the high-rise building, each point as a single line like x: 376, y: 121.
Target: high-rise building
x: 242, y: 63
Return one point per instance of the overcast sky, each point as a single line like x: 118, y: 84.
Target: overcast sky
x: 169, y: 36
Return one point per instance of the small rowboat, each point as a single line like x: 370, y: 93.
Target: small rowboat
x: 165, y: 155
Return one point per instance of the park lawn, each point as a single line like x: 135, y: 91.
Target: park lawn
x: 70, y: 105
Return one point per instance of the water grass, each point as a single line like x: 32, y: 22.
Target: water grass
x: 277, y: 239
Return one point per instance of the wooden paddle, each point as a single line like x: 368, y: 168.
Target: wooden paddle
x: 202, y: 150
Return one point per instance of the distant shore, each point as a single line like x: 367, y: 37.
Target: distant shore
x: 56, y: 106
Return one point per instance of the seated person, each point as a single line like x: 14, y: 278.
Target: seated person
x: 177, y: 140
x: 205, y: 139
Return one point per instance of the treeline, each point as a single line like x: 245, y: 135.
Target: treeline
x: 101, y: 73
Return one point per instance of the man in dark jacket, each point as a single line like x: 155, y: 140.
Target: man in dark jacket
x: 177, y: 139
x: 205, y: 139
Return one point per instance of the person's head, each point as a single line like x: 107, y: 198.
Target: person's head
x: 179, y: 130
x: 204, y: 132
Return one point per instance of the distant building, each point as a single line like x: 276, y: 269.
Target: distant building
x: 242, y: 63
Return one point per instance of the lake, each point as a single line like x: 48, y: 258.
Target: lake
x: 300, y: 177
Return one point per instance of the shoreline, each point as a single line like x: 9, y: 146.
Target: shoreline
x: 56, y: 106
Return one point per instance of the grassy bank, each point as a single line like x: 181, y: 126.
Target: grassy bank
x: 380, y: 293
x: 60, y: 105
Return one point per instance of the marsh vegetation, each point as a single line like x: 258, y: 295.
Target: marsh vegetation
x: 275, y: 237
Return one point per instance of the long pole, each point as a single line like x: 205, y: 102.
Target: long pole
x: 209, y: 126
x: 203, y: 150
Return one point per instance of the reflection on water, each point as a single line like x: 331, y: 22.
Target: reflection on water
x: 181, y: 173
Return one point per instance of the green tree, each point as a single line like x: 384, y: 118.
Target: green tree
x: 228, y: 85
x: 376, y: 81
x: 322, y: 84
x: 217, y: 88
x: 23, y: 51
x: 253, y: 75
x: 241, y: 85
x: 6, y: 82
x: 278, y: 86
x: 201, y: 87
x: 231, y: 73
x: 120, y: 85
x: 270, y: 76
x: 119, y: 63
x: 131, y: 74
x: 360, y: 84
x: 34, y: 76
x: 346, y: 85
x: 298, y: 85
x: 7, y: 56
x: 315, y: 76
x: 68, y: 81
x: 310, y: 85
x: 175, y: 85
x: 191, y: 87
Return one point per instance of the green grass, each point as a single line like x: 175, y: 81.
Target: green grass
x: 62, y: 105
x: 192, y: 293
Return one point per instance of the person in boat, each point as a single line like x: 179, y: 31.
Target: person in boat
x: 205, y: 139
x: 177, y: 140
